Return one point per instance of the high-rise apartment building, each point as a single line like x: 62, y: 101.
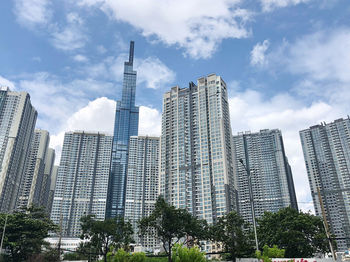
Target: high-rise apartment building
x: 196, y: 163
x: 82, y: 180
x: 34, y: 189
x: 142, y: 184
x: 52, y: 188
x: 17, y: 122
x: 326, y: 149
x: 125, y: 125
x: 272, y: 183
x: 48, y: 176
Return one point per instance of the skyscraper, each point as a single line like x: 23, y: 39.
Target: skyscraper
x: 142, y: 184
x: 17, y: 121
x: 52, y: 188
x: 48, y: 176
x: 271, y: 178
x: 125, y: 125
x: 82, y: 180
x: 34, y: 190
x: 326, y: 149
x: 196, y: 167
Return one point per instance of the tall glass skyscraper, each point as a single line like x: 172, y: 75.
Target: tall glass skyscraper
x: 326, y: 150
x: 125, y: 125
x: 271, y: 177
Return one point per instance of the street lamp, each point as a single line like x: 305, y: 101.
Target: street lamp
x: 251, y: 201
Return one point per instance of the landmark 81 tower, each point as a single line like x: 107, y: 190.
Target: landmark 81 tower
x: 125, y: 125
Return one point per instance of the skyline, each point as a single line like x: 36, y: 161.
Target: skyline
x: 285, y: 66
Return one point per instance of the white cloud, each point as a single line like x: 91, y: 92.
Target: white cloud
x: 151, y: 72
x: 32, y: 12
x: 72, y: 36
x: 257, y: 55
x: 101, y: 49
x: 197, y: 26
x: 150, y: 121
x: 80, y: 58
x: 7, y: 83
x: 321, y: 61
x: 249, y: 110
x: 323, y: 55
x: 269, y: 5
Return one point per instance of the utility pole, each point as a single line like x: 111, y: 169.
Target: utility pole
x: 251, y: 201
x: 325, y: 223
x: 3, y: 233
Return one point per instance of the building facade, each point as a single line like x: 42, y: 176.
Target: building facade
x: 272, y: 185
x: 125, y: 125
x: 326, y: 149
x: 82, y: 180
x: 196, y: 159
x: 46, y: 184
x: 34, y: 188
x: 17, y: 122
x: 52, y: 188
x: 142, y: 185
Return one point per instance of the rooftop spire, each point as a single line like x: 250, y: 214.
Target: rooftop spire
x: 131, y: 53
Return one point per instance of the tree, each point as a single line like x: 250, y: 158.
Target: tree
x: 25, y: 232
x: 171, y: 225
x: 235, y: 235
x: 300, y: 234
x: 101, y: 235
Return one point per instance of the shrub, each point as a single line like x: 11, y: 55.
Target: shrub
x: 184, y: 254
x: 138, y: 257
x: 269, y: 253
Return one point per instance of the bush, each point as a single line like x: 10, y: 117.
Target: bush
x: 184, y: 254
x: 138, y: 257
x: 269, y: 253
x: 121, y: 256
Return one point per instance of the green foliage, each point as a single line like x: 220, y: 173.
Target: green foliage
x: 138, y: 257
x: 170, y: 224
x: 102, y: 235
x: 269, y: 253
x: 300, y: 234
x: 25, y: 233
x: 234, y: 234
x: 121, y: 256
x: 74, y: 256
x: 184, y: 254
x: 156, y: 259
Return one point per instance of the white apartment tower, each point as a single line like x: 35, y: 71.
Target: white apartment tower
x: 17, y: 122
x: 196, y: 163
x: 82, y: 180
x: 34, y: 188
x: 326, y: 149
x: 142, y: 185
x: 271, y: 177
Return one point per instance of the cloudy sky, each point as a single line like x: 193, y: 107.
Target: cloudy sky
x: 286, y: 62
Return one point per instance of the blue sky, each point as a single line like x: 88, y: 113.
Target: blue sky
x: 286, y: 62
